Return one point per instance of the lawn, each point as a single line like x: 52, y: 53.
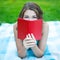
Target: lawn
x: 9, y: 9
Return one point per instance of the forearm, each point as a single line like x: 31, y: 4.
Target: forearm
x: 22, y: 52
x: 37, y: 51
x: 20, y: 48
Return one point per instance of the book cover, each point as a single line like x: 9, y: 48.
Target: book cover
x: 27, y: 27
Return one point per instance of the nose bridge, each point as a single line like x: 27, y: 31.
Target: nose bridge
x: 30, y: 18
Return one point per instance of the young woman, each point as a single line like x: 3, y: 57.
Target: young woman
x: 28, y: 46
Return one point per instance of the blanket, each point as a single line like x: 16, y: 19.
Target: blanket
x: 8, y: 49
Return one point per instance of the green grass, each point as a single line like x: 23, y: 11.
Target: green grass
x: 9, y: 9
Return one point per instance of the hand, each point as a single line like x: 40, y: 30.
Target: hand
x: 29, y: 41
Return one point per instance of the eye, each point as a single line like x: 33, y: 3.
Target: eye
x: 26, y: 16
x: 34, y: 16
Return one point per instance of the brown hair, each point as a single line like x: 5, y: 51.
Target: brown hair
x: 31, y: 6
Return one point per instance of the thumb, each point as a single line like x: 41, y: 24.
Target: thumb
x: 33, y: 36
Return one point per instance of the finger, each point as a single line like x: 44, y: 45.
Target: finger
x: 24, y: 39
x: 32, y: 36
x: 26, y: 36
x: 29, y: 35
x: 26, y: 46
x: 30, y: 41
x: 31, y: 45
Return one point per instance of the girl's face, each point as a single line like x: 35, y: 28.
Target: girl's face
x: 30, y: 15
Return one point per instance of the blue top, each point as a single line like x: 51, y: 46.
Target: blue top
x: 30, y: 52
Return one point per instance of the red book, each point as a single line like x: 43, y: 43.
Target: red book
x: 27, y: 27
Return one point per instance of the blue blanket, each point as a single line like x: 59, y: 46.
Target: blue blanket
x: 8, y: 50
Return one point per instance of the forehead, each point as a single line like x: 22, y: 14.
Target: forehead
x: 29, y: 12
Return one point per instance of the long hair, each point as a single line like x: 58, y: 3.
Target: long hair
x: 31, y: 6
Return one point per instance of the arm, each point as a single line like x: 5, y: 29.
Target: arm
x: 39, y: 50
x: 20, y: 47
